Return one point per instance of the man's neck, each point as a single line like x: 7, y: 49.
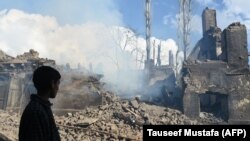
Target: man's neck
x: 43, y: 95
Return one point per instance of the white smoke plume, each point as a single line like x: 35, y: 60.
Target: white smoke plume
x: 112, y: 50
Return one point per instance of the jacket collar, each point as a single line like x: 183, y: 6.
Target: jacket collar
x: 35, y: 97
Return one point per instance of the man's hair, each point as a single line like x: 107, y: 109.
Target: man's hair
x: 43, y: 77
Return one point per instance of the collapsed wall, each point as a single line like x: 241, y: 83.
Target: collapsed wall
x: 211, y: 44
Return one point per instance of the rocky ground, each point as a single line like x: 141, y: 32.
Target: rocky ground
x: 115, y: 119
x: 9, y: 123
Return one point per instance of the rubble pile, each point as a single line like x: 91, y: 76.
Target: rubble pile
x: 120, y: 119
x: 32, y: 54
x: 4, y: 56
x: 81, y: 90
x: 115, y: 119
x: 9, y: 122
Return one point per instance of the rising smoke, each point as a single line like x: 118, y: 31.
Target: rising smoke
x: 112, y: 50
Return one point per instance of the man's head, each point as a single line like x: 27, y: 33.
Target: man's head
x: 46, y: 80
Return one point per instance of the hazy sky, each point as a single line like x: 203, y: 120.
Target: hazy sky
x: 130, y: 13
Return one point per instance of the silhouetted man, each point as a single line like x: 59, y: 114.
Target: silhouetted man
x: 37, y: 122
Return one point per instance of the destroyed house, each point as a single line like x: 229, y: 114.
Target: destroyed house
x: 216, y: 76
x: 15, y: 78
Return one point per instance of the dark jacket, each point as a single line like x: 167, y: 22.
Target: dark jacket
x: 37, y: 122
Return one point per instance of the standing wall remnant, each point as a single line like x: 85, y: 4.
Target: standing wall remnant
x: 236, y: 45
x: 171, y: 58
x: 208, y: 19
x: 159, y: 56
x: 4, y: 89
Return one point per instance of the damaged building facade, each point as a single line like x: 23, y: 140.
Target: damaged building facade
x: 16, y: 76
x: 16, y: 84
x: 160, y: 87
x: 216, y: 76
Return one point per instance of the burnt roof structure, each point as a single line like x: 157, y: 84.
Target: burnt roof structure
x: 216, y: 75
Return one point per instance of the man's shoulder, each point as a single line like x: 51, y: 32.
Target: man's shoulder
x: 34, y: 108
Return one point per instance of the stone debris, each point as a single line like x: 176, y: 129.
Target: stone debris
x: 9, y: 122
x: 115, y: 120
x: 120, y: 120
x: 32, y: 54
x: 4, y: 56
